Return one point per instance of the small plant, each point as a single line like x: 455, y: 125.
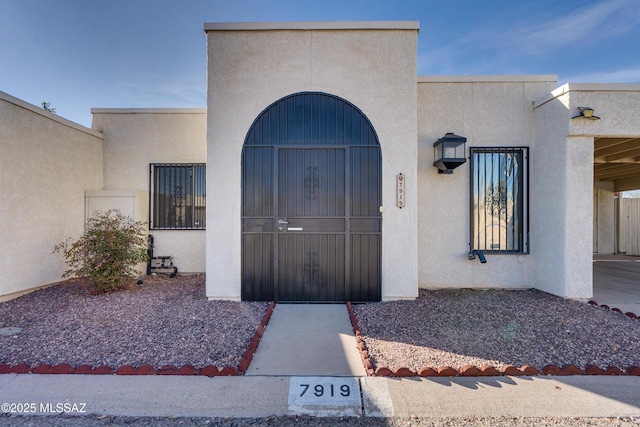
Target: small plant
x: 108, y: 251
x: 47, y: 107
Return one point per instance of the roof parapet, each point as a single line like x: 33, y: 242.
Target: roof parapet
x: 312, y: 25
x: 489, y: 78
x: 586, y: 87
x: 41, y: 111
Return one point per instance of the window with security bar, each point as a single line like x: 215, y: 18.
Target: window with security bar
x: 178, y: 196
x: 499, y: 199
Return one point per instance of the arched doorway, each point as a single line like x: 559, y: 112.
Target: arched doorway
x: 311, y: 197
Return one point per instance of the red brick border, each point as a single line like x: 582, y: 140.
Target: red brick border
x: 209, y: 370
x: 483, y: 371
x: 362, y: 347
x: 253, y: 345
x: 507, y: 370
x: 617, y: 310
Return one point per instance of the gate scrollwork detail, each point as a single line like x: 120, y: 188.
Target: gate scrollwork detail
x: 311, y: 183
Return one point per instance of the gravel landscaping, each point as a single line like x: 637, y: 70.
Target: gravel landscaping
x: 168, y: 321
x: 164, y: 321
x: 494, y: 327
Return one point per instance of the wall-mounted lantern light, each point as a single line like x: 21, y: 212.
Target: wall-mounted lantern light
x: 586, y: 113
x: 449, y: 152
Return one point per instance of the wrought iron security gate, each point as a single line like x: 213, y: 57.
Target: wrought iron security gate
x: 311, y: 192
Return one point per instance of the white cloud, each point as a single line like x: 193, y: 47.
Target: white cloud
x: 624, y: 75
x: 592, y: 22
x: 500, y: 41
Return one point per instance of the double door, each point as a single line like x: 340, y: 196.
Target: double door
x: 311, y: 226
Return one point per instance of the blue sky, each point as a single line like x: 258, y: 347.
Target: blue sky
x: 79, y: 54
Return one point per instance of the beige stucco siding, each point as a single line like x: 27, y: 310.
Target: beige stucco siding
x: 491, y: 111
x: 135, y: 138
x: 46, y: 165
x: 563, y: 178
x: 561, y: 204
x: 372, y: 68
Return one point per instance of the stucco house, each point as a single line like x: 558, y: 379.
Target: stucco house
x: 323, y: 169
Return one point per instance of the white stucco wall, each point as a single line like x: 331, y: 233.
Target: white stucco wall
x: 135, y: 138
x: 489, y: 111
x: 134, y: 204
x: 372, y: 65
x: 548, y: 195
x: 46, y: 165
x: 604, y: 223
x: 563, y: 178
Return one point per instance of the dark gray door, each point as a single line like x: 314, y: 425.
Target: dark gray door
x: 311, y: 233
x: 311, y: 226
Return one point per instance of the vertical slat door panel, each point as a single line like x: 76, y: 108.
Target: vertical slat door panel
x: 257, y: 224
x: 365, y: 223
x: 311, y: 192
x: 257, y: 274
x: 365, y: 268
x: 311, y: 268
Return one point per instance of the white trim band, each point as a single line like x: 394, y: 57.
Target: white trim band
x: 316, y: 25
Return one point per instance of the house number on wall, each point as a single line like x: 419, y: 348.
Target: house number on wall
x: 401, y: 191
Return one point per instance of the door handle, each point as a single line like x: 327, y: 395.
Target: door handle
x: 282, y: 223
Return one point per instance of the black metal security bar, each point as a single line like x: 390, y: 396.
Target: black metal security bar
x: 499, y: 199
x: 178, y: 196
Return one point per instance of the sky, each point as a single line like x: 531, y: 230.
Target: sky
x: 81, y: 54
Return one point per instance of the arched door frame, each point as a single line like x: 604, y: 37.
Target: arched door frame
x: 311, y: 193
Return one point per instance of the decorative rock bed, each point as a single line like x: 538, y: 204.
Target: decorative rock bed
x: 486, y: 369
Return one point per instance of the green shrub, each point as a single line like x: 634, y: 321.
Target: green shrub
x: 108, y: 251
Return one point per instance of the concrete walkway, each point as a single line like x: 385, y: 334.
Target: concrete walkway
x: 616, y: 282
x: 260, y: 396
x: 308, y: 339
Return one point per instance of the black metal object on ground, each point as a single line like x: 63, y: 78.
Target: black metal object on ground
x: 160, y: 264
